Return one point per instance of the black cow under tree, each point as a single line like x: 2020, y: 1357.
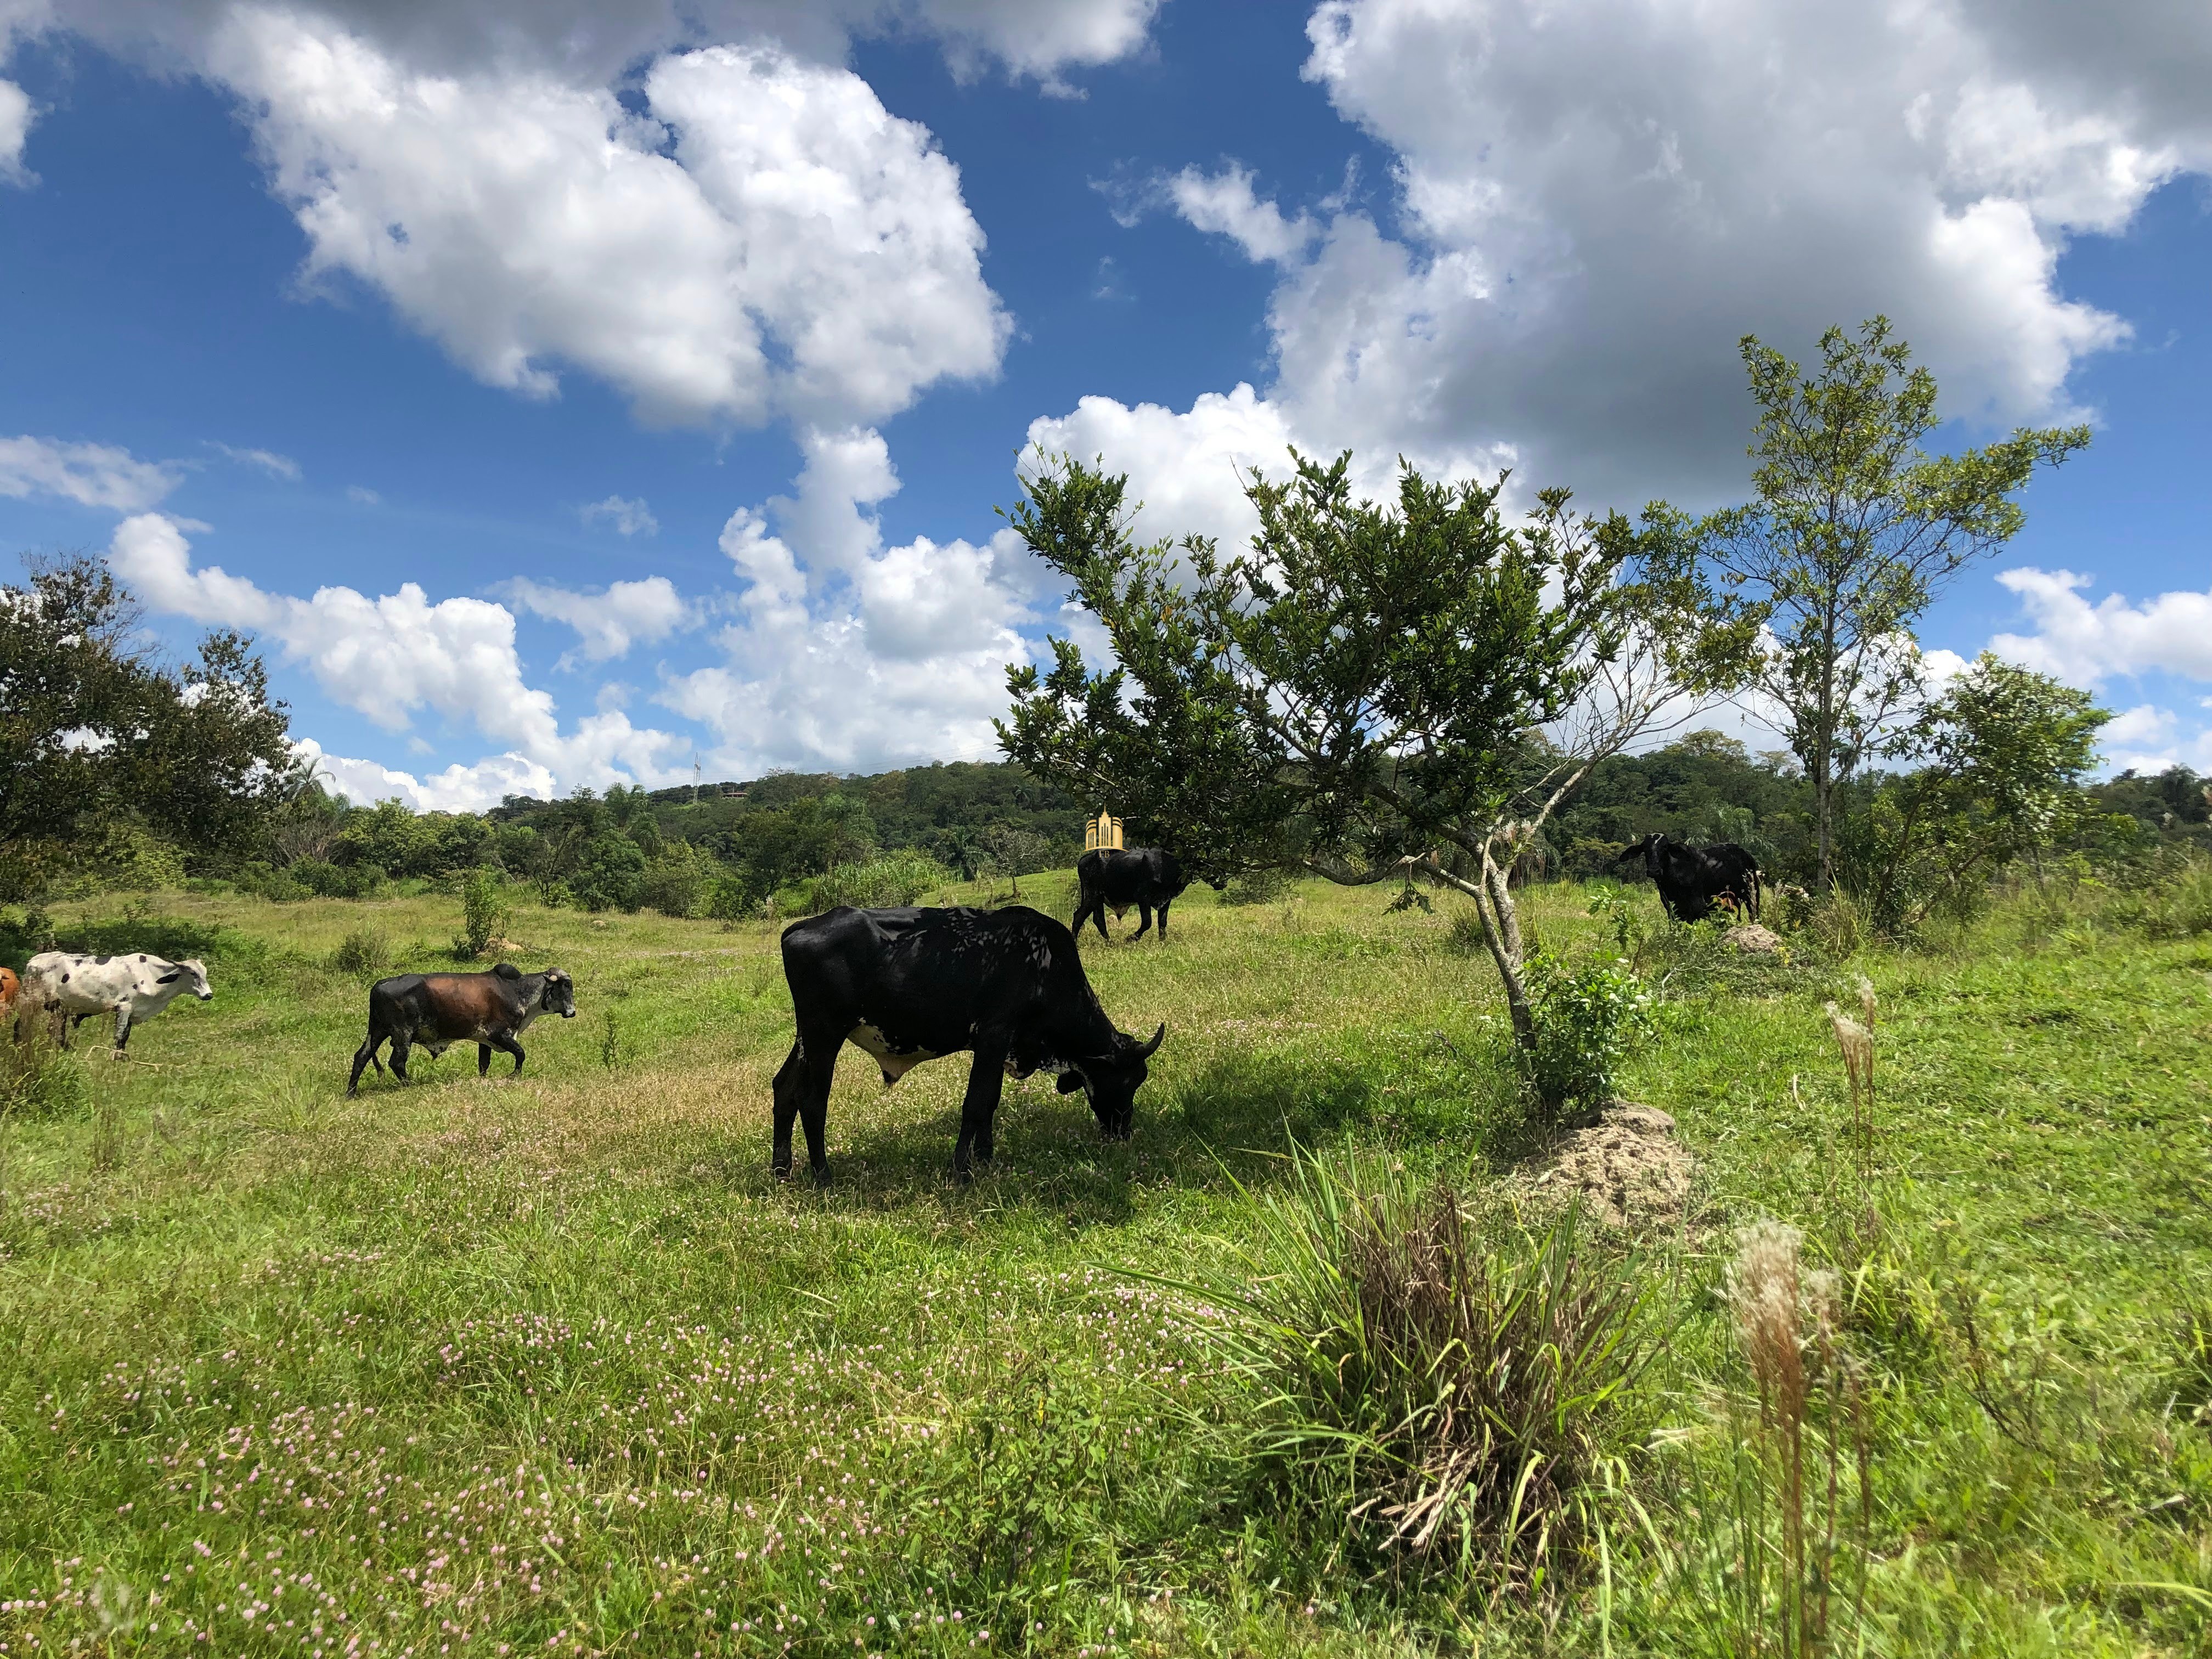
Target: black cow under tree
x: 1146, y: 879
x: 911, y: 985
x: 1694, y: 881
x: 1375, y: 685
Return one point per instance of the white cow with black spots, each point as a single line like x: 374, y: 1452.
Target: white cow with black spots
x: 133, y: 988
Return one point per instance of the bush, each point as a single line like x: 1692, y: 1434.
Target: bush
x: 609, y: 873
x: 259, y: 880
x: 897, y: 878
x: 1442, y: 1400
x: 1257, y: 887
x: 676, y: 883
x: 362, y: 954
x: 325, y: 880
x: 733, y: 897
x: 483, y: 914
x: 2176, y: 904
x: 1586, y: 1018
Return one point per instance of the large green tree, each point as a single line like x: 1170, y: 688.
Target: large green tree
x: 1373, y: 687
x: 98, y: 731
x: 1856, y: 530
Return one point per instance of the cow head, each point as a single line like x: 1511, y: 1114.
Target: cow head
x: 1650, y: 849
x: 559, y: 996
x: 189, y: 974
x: 1111, y: 1081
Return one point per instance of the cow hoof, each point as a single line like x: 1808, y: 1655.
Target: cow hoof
x: 820, y: 1178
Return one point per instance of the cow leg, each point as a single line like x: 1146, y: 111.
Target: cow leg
x: 122, y: 1029
x: 506, y: 1045
x: 987, y: 1081
x: 802, y: 1091
x: 1163, y: 916
x: 1095, y: 909
x: 361, y: 1057
x: 399, y: 1047
x: 483, y: 1060
x: 1144, y: 922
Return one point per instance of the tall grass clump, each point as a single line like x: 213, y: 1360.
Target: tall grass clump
x: 1427, y: 1397
x: 37, y: 1079
x: 1800, y: 1479
x: 895, y: 879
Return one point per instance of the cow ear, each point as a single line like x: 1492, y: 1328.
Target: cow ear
x: 169, y: 979
x: 1068, y: 1082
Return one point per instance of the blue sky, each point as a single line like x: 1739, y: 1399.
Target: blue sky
x: 561, y: 391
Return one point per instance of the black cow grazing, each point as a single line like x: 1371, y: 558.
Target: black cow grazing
x: 438, y: 1010
x: 1693, y: 880
x: 1146, y: 878
x: 909, y: 986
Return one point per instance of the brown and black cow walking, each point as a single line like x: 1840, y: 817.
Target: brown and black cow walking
x: 438, y: 1010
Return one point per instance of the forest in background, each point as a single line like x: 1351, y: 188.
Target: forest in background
x: 729, y: 848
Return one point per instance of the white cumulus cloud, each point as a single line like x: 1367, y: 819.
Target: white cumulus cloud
x: 393, y: 657
x: 609, y: 623
x: 767, y: 239
x: 848, y: 653
x: 1591, y: 204
x: 91, y: 475
x: 2088, y: 644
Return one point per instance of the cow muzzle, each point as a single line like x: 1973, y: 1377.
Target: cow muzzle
x: 206, y: 996
x: 567, y: 1014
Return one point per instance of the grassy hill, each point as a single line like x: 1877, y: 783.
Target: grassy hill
x: 551, y: 1366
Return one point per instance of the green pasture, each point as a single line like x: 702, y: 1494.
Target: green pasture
x: 552, y: 1365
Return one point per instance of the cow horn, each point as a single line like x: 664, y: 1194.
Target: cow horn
x: 1145, y: 1050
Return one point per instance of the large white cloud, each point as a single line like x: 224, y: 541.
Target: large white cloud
x: 1591, y: 204
x: 847, y: 654
x: 2089, y: 644
x: 395, y: 656
x: 770, y: 240
x: 91, y: 475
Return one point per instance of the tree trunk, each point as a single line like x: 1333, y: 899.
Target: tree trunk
x: 1501, y: 930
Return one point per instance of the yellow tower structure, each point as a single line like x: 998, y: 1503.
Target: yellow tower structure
x: 1102, y: 834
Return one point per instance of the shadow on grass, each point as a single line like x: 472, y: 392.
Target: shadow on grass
x: 173, y: 937
x: 1237, y: 1118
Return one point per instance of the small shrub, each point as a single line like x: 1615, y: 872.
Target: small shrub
x: 484, y: 914
x: 610, y: 1044
x: 1464, y: 937
x: 107, y: 1143
x: 1255, y: 887
x: 361, y: 954
x: 1587, y: 1018
x: 1437, y: 1400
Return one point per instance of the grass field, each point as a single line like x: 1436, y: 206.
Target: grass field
x: 551, y: 1366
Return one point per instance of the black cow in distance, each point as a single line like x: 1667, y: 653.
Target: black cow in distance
x: 1692, y: 881
x: 1122, y: 879
x: 909, y: 986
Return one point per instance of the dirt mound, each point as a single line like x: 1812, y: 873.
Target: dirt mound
x: 1627, y: 1164
x: 1753, y: 940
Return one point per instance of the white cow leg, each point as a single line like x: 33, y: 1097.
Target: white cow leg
x: 122, y: 1029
